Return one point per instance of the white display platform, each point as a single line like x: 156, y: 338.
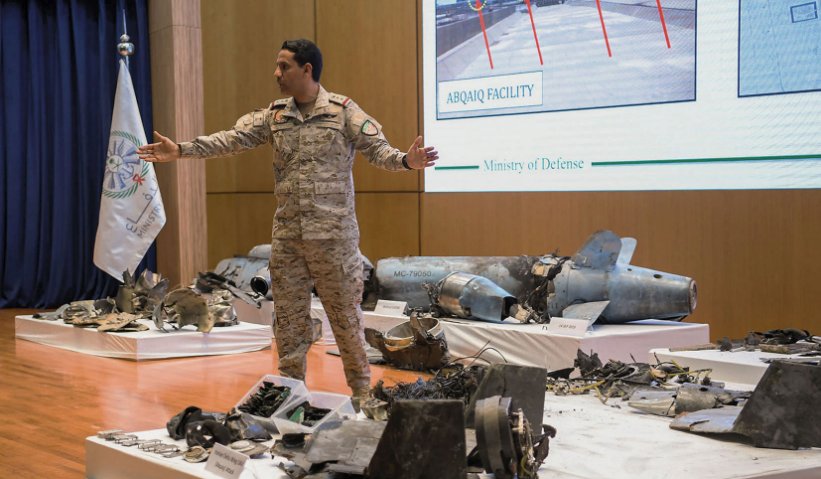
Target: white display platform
x: 151, y: 344
x: 247, y: 313
x: 599, y: 441
x: 527, y: 344
x: 533, y: 345
x: 107, y: 460
x: 744, y: 367
x: 265, y: 315
x: 593, y: 441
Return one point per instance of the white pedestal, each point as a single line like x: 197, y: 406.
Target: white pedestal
x: 745, y: 367
x: 106, y: 460
x: 247, y: 313
x: 151, y: 344
x: 532, y: 345
x: 593, y: 441
x: 596, y: 441
x: 265, y: 315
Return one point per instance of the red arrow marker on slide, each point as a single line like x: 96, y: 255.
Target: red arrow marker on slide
x: 479, y: 8
x: 663, y: 23
x: 535, y: 36
x: 604, y: 29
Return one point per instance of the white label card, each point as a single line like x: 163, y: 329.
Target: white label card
x: 569, y: 326
x: 391, y: 308
x: 225, y: 462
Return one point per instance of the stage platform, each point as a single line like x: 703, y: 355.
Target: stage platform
x: 529, y: 344
x: 745, y: 367
x: 265, y: 315
x: 106, y: 460
x: 251, y: 314
x: 593, y: 441
x: 151, y: 344
x: 533, y: 345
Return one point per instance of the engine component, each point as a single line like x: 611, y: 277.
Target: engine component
x: 505, y: 442
x: 467, y: 295
x: 418, y: 344
x: 524, y: 383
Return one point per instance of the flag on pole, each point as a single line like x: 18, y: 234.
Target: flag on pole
x: 131, y: 209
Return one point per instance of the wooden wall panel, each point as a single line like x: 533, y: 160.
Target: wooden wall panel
x: 238, y: 77
x: 388, y: 224
x: 754, y: 254
x: 240, y: 46
x: 239, y: 57
x: 237, y: 222
x: 369, y: 53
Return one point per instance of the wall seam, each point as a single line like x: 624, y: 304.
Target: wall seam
x: 420, y: 182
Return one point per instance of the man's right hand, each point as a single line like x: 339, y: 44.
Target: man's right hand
x: 163, y: 150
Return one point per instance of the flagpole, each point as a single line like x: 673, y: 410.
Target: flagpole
x: 131, y: 207
x: 125, y: 48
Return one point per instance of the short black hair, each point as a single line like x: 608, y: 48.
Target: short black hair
x: 305, y: 51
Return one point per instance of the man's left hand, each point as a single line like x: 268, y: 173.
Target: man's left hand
x: 420, y: 157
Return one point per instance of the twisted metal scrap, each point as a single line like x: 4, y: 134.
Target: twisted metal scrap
x: 453, y: 382
x: 620, y: 380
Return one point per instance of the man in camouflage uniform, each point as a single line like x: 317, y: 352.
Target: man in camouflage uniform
x: 315, y: 235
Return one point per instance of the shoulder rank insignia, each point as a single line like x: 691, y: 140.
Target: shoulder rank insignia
x: 339, y: 99
x: 281, y: 103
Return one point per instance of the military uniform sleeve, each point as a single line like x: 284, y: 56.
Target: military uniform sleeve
x: 366, y: 135
x: 250, y: 131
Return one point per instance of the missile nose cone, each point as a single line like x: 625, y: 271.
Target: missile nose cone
x: 640, y: 293
x: 693, y: 295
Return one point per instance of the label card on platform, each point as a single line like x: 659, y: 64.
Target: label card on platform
x: 569, y: 326
x: 391, y: 308
x: 225, y: 462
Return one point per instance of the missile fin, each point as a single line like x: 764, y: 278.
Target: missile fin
x: 599, y: 252
x: 589, y: 311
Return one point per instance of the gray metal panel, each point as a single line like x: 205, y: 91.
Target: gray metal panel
x: 589, y: 311
x: 599, y: 252
x: 628, y: 247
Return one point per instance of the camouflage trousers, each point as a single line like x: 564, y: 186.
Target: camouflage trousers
x: 334, y: 267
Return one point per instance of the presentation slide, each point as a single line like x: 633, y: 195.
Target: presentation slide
x: 594, y: 95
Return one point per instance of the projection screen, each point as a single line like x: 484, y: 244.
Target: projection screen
x: 591, y: 95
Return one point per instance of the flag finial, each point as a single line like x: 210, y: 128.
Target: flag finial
x: 125, y: 47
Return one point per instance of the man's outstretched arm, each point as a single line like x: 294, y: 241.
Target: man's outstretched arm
x: 368, y: 138
x: 250, y: 131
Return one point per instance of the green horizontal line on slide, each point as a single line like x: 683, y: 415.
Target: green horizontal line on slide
x: 465, y: 167
x: 707, y: 160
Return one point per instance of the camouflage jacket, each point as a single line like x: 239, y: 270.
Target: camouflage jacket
x: 313, y: 160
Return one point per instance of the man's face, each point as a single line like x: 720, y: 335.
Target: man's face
x: 291, y: 77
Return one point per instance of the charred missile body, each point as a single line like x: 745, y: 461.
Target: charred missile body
x: 598, y: 282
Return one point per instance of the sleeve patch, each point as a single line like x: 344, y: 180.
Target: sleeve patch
x: 369, y: 128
